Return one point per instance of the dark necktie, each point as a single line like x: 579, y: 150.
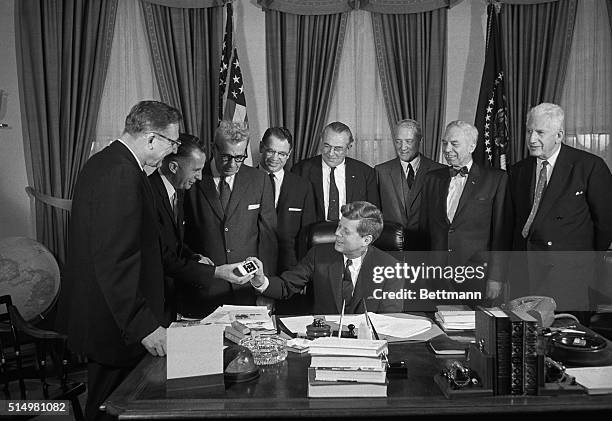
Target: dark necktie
x: 334, y: 198
x: 224, y: 193
x: 410, y: 176
x: 540, y: 187
x: 347, y: 283
x: 273, y: 181
x: 463, y: 171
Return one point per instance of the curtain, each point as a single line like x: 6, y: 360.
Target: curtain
x: 357, y: 98
x: 63, y: 49
x: 587, y: 95
x: 411, y: 57
x: 302, y: 57
x: 536, y: 42
x: 185, y: 40
x: 129, y: 78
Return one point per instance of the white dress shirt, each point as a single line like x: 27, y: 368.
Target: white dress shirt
x: 455, y: 189
x: 340, y: 177
x: 217, y: 176
x: 415, y: 164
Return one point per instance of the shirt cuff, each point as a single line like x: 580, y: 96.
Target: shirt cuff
x: 263, y: 286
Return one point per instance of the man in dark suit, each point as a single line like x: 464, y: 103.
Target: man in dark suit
x: 344, y: 272
x: 401, y: 180
x: 229, y: 215
x: 336, y: 178
x: 562, y: 213
x: 293, y: 197
x: 112, y: 298
x: 177, y: 173
x: 465, y: 213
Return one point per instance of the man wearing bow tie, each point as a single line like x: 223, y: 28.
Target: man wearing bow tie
x: 562, y: 214
x: 465, y: 213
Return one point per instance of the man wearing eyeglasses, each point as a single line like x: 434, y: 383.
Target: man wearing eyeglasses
x: 112, y: 299
x: 229, y: 216
x: 336, y: 178
x: 401, y: 180
x: 293, y: 195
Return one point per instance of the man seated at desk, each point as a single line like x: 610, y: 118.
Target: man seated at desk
x: 344, y: 271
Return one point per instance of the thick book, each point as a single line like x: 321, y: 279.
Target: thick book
x: 333, y: 374
x: 340, y: 389
x: 530, y: 354
x: 516, y: 354
x: 323, y: 361
x: 493, y: 333
x: 348, y: 346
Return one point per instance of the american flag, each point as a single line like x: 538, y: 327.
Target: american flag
x: 232, y: 103
x: 492, y: 112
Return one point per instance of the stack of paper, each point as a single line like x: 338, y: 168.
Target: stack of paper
x: 456, y: 319
x: 345, y: 367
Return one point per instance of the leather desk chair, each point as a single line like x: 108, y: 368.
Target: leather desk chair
x: 391, y: 238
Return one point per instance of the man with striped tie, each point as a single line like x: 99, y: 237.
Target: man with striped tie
x: 229, y: 215
x: 562, y: 214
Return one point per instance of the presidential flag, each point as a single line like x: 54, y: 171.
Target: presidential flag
x: 232, y: 102
x: 492, y: 149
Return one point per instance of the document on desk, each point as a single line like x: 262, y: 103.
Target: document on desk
x: 195, y: 350
x: 596, y: 380
x: 254, y: 317
x: 402, y: 328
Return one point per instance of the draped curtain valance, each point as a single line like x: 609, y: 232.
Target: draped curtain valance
x: 327, y: 7
x: 188, y: 4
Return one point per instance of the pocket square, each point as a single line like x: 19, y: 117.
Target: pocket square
x: 579, y: 192
x: 295, y: 209
x: 254, y: 206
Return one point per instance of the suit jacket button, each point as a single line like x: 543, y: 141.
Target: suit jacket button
x: 451, y: 230
x: 450, y: 249
x: 549, y: 243
x: 226, y: 229
x: 228, y: 251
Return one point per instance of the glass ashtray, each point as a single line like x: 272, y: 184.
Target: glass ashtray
x: 266, y: 349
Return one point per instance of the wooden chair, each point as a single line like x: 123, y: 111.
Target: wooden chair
x: 27, y: 371
x: 56, y: 202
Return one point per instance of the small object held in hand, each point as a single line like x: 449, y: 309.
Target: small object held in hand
x: 247, y: 268
x: 318, y: 329
x: 351, y: 331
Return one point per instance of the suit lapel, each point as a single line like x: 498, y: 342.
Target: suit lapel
x: 180, y: 194
x: 350, y: 178
x: 558, y: 181
x: 208, y: 189
x: 471, y: 184
x: 419, y: 180
x: 335, y: 277
x: 397, y: 174
x: 316, y: 176
x: 284, y: 191
x: 361, y: 287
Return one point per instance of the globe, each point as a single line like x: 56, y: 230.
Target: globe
x: 29, y: 273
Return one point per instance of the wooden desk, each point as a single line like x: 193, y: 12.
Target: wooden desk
x: 281, y: 391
